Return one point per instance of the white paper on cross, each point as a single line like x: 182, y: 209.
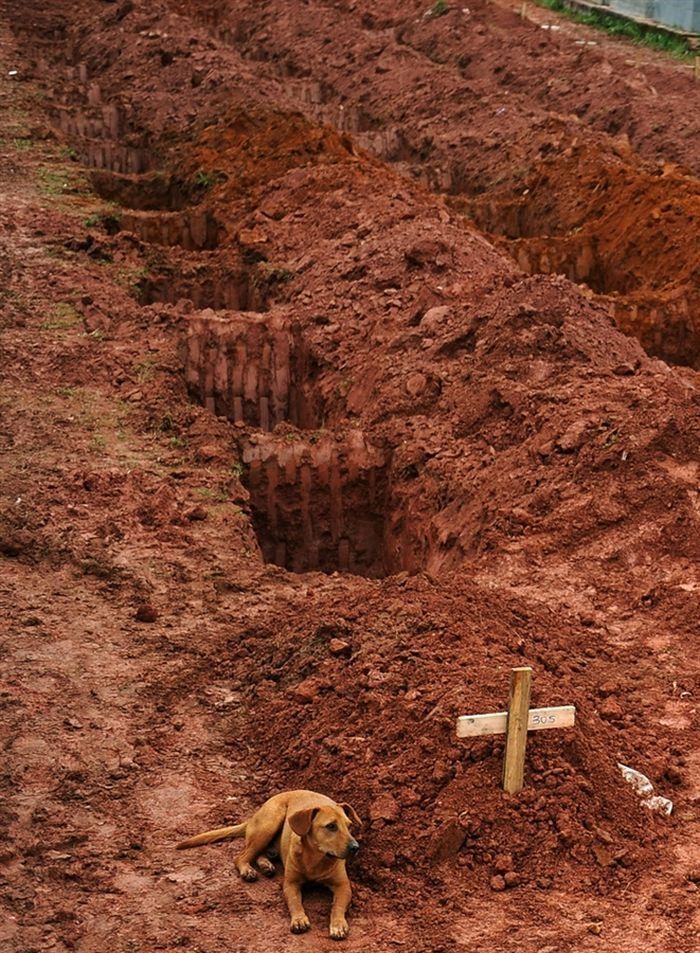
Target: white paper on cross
x: 495, y: 724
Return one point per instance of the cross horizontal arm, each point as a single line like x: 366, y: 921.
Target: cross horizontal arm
x: 495, y: 724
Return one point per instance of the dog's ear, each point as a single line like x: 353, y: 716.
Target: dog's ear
x: 352, y: 814
x: 301, y: 821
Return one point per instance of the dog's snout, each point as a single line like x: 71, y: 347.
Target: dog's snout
x: 353, y: 847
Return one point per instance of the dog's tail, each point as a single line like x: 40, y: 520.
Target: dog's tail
x: 208, y: 837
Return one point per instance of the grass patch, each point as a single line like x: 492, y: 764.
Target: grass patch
x: 58, y: 182
x: 98, y: 443
x: 63, y: 316
x: 144, y: 371
x: 205, y: 180
x: 130, y: 277
x: 211, y: 493
x: 439, y: 8
x: 615, y: 26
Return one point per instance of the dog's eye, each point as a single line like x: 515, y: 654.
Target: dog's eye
x: 332, y: 826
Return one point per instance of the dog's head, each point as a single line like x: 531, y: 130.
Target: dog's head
x: 327, y: 829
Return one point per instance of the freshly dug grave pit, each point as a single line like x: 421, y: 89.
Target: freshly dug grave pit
x: 319, y: 502
x: 251, y: 369
x: 630, y: 234
x: 217, y: 284
x: 150, y: 192
x: 96, y: 139
x: 193, y: 230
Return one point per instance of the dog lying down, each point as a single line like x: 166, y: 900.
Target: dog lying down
x: 312, y: 836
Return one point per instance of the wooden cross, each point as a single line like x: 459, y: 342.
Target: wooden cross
x: 515, y: 724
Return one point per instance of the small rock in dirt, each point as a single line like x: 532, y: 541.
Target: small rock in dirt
x: 409, y: 796
x: 673, y: 774
x: 387, y: 858
x: 416, y: 384
x: 209, y: 453
x: 434, y: 319
x: 385, y: 808
x: 442, y: 773
x: 512, y: 878
x: 624, y: 370
x: 252, y: 236
x: 503, y: 863
x: 146, y: 613
x: 340, y: 647
x: 308, y: 690
x: 610, y: 710
x: 602, y: 835
x: 573, y: 437
x: 603, y: 855
x: 447, y: 842
x: 498, y: 883
x: 427, y: 251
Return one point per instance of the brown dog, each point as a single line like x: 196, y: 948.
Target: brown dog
x: 312, y: 835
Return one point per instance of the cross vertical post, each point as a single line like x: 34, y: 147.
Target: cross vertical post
x: 516, y: 729
x: 515, y: 724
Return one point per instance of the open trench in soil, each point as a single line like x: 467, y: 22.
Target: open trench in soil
x: 457, y: 458
x: 553, y: 201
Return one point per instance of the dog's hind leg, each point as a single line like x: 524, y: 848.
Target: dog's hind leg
x: 273, y: 849
x: 262, y: 828
x: 265, y: 866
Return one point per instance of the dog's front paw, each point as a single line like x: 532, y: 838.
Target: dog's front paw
x: 248, y: 873
x: 300, y: 924
x: 339, y: 929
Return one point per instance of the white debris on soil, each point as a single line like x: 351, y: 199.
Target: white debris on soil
x: 644, y: 788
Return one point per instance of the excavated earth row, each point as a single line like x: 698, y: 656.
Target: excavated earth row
x: 487, y: 471
x: 442, y: 98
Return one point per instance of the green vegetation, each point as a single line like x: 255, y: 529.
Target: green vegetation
x: 219, y: 494
x: 439, y: 8
x: 205, y: 180
x: 144, y: 371
x: 645, y: 36
x: 63, y: 315
x: 130, y: 277
x: 61, y: 182
x: 98, y: 443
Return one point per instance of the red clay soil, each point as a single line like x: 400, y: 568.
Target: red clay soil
x: 545, y: 161
x: 297, y: 465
